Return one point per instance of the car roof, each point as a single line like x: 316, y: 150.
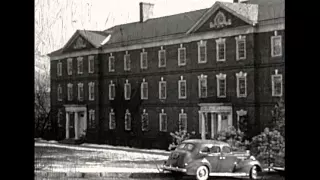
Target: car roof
x: 207, y: 141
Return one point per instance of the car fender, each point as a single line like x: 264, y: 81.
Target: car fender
x: 194, y: 165
x: 246, y: 165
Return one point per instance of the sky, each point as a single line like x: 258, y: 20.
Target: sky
x: 57, y: 20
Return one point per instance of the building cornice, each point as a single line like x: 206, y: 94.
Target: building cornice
x: 179, y: 38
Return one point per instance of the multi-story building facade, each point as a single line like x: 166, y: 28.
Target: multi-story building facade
x: 201, y: 71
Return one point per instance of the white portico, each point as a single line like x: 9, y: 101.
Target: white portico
x: 79, y: 120
x: 217, y: 116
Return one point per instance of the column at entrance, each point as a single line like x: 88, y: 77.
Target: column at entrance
x: 67, y: 125
x: 203, y: 126
x: 76, y: 125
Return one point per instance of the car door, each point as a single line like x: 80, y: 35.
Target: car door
x: 226, y: 160
x: 213, y: 158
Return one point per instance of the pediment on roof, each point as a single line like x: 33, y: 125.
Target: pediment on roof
x: 226, y: 15
x: 77, y: 42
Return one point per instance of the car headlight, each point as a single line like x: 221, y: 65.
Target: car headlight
x: 252, y: 158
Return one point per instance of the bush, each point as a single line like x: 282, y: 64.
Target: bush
x: 178, y: 137
x: 235, y: 138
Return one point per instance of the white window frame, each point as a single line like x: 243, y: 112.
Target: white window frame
x: 240, y: 39
x: 111, y: 61
x: 179, y: 88
x: 159, y: 58
x: 59, y: 90
x: 275, y: 75
x: 181, y: 114
x: 161, y: 114
x: 275, y: 36
x: 80, y: 85
x: 92, y: 118
x: 127, y: 121
x: 112, y: 86
x: 202, y: 77
x: 142, y: 54
x: 111, y: 113
x: 59, y: 68
x: 144, y: 114
x: 202, y: 44
x: 127, y: 87
x: 91, y: 88
x: 80, y: 70
x: 239, y: 76
x: 221, y: 77
x: 90, y: 64
x: 144, y: 84
x: 164, y: 83
x: 126, y: 62
x: 69, y: 66
x: 219, y: 42
x: 239, y: 114
x: 184, y: 50
x: 70, y: 91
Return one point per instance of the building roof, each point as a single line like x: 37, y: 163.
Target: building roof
x: 124, y: 34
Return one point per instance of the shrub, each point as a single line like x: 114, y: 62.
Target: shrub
x: 235, y: 138
x: 178, y: 137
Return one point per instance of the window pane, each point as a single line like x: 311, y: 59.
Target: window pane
x: 128, y: 121
x: 183, y: 89
x: 111, y: 64
x: 221, y: 51
x: 202, y: 53
x: 277, y: 46
x: 112, y: 121
x: 145, y: 121
x: 162, y: 58
x: 242, y: 86
x: 222, y: 89
x: 145, y: 90
x: 241, y: 50
x: 163, y: 90
x: 182, y: 56
x: 203, y: 87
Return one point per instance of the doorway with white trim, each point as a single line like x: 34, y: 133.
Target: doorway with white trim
x: 76, y: 121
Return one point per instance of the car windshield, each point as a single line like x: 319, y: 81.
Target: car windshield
x: 186, y: 146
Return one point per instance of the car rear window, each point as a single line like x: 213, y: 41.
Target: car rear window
x: 186, y: 146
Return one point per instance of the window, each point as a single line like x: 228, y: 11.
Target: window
x: 181, y: 56
x: 112, y: 90
x: 91, y: 64
x: 276, y: 45
x: 112, y: 120
x: 59, y: 93
x: 127, y: 90
x: 59, y: 118
x: 182, y: 121
x: 202, y: 84
x: 144, y: 89
x: 127, y: 121
x: 226, y: 149
x: 202, y: 51
x: 92, y: 123
x: 59, y: 68
x: 206, y: 125
x: 80, y: 91
x: 143, y: 59
x: 70, y: 92
x: 163, y: 121
x: 80, y: 65
x: 215, y: 149
x: 127, y: 62
x: 276, y: 84
x: 242, y: 120
x: 111, y: 63
x: 91, y: 91
x: 162, y: 57
x: 221, y: 85
x: 241, y: 84
x: 221, y: 49
x: 162, y: 89
x: 241, y: 47
x: 144, y: 121
x: 182, y: 88
x: 69, y: 66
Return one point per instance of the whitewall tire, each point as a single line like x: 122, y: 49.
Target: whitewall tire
x: 202, y: 173
x: 253, y: 174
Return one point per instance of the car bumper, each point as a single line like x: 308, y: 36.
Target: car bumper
x: 176, y: 169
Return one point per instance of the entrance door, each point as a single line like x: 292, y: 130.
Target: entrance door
x: 71, y: 126
x: 81, y: 123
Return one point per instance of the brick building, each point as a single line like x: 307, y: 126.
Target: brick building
x: 135, y: 83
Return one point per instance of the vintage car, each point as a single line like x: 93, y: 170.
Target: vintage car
x: 204, y: 158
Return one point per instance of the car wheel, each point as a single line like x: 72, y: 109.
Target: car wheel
x: 202, y: 173
x: 253, y: 174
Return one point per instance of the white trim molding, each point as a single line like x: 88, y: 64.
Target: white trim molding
x: 273, y: 44
x: 70, y: 91
x: 182, y: 82
x: 111, y: 63
x: 69, y: 66
x: 221, y: 77
x: 59, y: 68
x: 112, y: 90
x: 127, y: 90
x: 127, y: 120
x: 162, y: 115
x: 202, y: 44
x: 91, y: 91
x: 144, y: 59
x: 242, y: 76
x: 59, y: 92
x: 276, y: 77
x: 80, y: 92
x: 183, y: 120
x: 241, y: 39
x: 221, y: 41
x: 182, y: 53
x: 146, y: 116
x: 80, y: 65
x: 90, y: 64
x: 144, y: 85
x: 202, y: 78
x: 163, y: 53
x: 126, y: 62
x: 163, y: 83
x: 112, y: 119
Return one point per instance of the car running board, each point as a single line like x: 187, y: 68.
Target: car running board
x: 229, y: 174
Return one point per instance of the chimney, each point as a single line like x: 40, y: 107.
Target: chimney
x: 146, y: 11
